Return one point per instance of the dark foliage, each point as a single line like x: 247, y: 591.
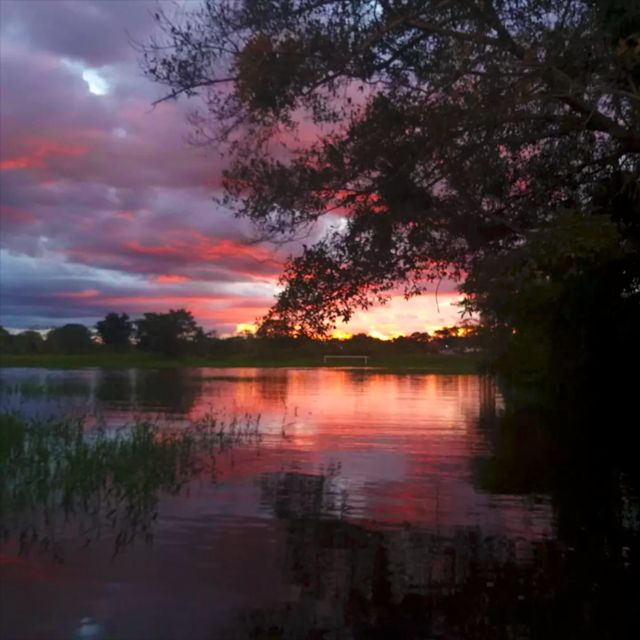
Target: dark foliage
x: 170, y: 333
x: 176, y: 334
x: 497, y: 143
x: 70, y: 338
x: 115, y: 330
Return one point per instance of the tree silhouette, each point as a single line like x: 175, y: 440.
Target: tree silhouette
x: 442, y: 133
x: 168, y: 333
x: 70, y: 338
x: 115, y: 330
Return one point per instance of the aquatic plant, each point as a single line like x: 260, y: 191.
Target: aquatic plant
x: 59, y: 473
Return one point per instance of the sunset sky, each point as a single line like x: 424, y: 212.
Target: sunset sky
x: 105, y: 207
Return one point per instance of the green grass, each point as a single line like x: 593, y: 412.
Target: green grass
x: 54, y: 472
x: 423, y: 363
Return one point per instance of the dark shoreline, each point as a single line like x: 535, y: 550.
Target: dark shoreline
x: 429, y: 363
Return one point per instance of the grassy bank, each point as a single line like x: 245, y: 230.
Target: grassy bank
x: 426, y: 363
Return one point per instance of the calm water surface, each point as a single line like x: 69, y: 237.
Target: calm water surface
x: 372, y: 505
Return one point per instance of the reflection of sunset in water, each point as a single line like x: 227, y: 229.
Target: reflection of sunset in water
x: 340, y: 398
x: 367, y: 494
x: 399, y: 446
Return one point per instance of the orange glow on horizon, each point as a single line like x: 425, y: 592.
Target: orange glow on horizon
x: 231, y: 313
x: 339, y: 334
x: 379, y: 335
x: 246, y: 327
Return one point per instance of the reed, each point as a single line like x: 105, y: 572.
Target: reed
x: 57, y: 474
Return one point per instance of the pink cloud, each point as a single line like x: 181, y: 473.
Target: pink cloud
x: 171, y: 279
x: 15, y: 215
x: 78, y: 295
x: 40, y: 153
x: 136, y: 247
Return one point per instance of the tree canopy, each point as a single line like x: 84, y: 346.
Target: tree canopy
x: 424, y: 138
x: 115, y: 330
x: 168, y: 333
x: 69, y: 338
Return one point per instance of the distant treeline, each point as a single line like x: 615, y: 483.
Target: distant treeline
x: 176, y: 334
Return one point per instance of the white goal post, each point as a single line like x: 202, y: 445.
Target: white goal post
x: 327, y: 359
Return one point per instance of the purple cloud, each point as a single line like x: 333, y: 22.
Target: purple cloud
x: 104, y: 206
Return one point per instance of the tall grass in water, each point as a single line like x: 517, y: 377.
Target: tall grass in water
x: 55, y: 475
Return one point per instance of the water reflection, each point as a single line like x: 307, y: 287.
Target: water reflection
x: 374, y: 506
x: 360, y: 580
x: 56, y: 475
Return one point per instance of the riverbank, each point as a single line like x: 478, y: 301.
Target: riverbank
x: 423, y: 363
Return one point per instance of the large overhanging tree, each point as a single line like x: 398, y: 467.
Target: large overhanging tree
x: 438, y: 136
